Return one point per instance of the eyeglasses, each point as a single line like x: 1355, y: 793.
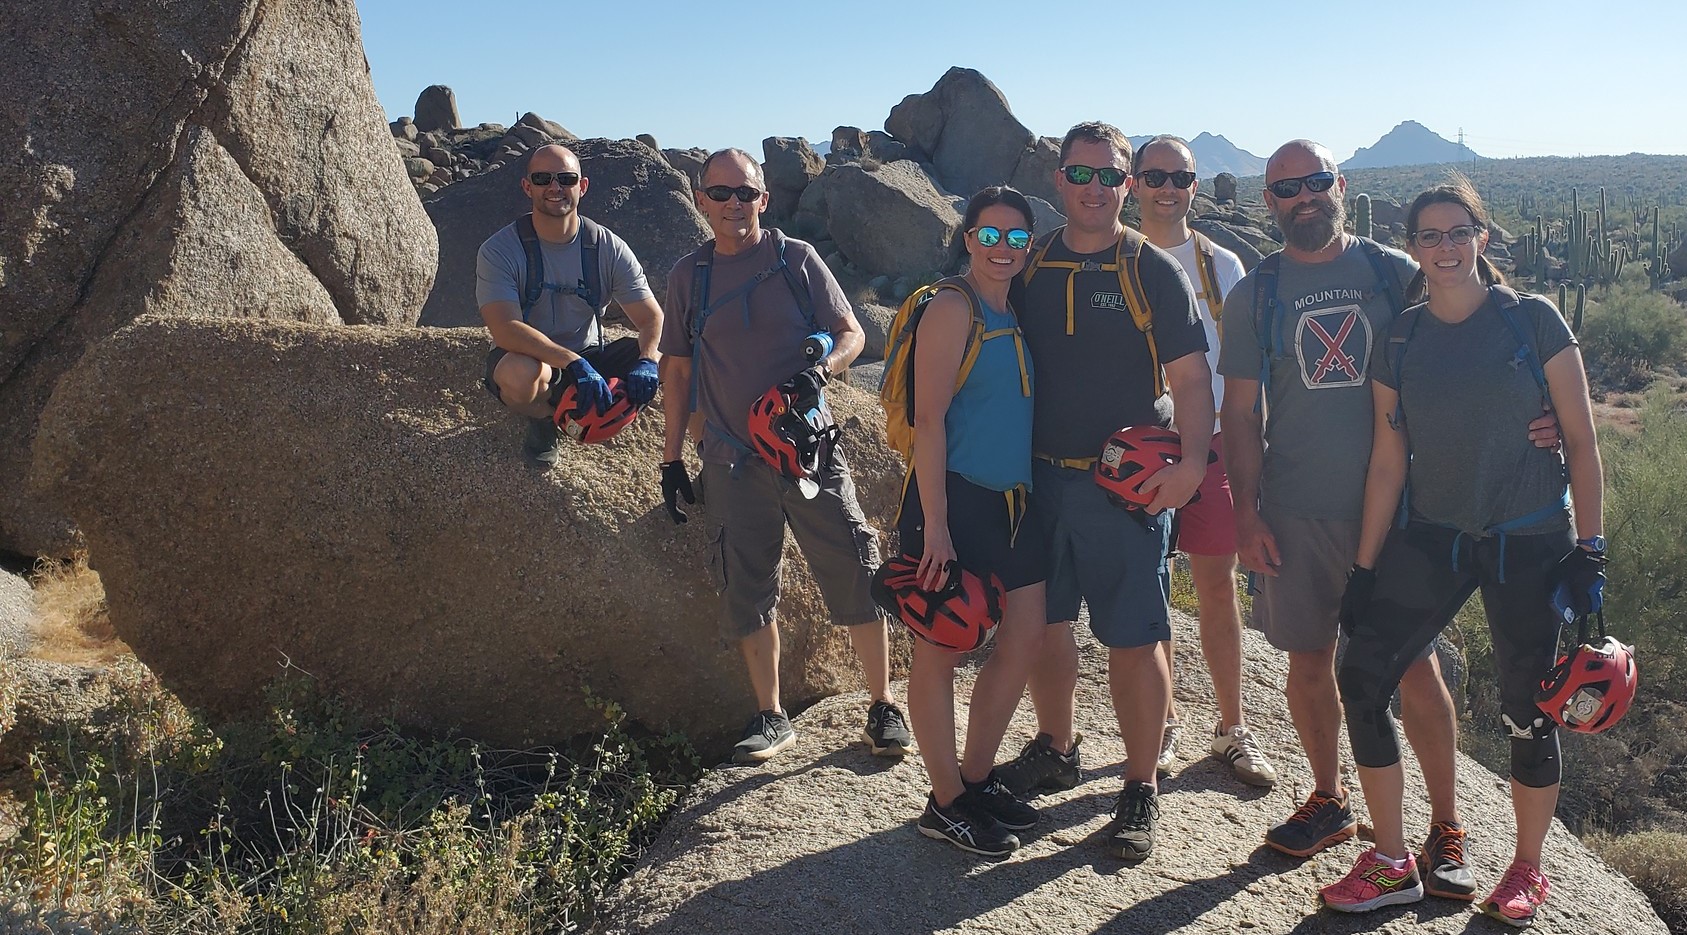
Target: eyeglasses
x: 1156, y: 178
x: 1017, y: 238
x: 1316, y: 182
x: 544, y: 179
x: 1430, y: 237
x: 745, y: 193
x: 1081, y: 175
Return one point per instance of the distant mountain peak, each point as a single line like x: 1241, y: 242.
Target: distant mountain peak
x: 1215, y: 154
x: 1409, y: 144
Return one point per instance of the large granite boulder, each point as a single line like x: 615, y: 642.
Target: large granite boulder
x: 790, y: 165
x: 892, y: 220
x: 436, y: 109
x: 17, y: 614
x: 1227, y: 237
x: 228, y: 159
x: 633, y: 191
x: 367, y: 516
x: 804, y: 843
x: 964, y: 125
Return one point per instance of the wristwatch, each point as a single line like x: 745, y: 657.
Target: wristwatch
x: 1596, y: 545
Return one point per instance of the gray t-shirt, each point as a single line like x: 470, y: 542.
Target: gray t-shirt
x: 1318, y: 406
x: 560, y: 314
x: 747, y: 346
x: 1467, y: 396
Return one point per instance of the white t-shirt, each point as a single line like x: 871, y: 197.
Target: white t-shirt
x: 1227, y: 267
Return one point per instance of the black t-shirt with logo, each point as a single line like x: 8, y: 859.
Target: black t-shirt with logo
x: 1098, y: 379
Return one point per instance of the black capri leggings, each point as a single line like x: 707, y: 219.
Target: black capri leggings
x: 1417, y: 593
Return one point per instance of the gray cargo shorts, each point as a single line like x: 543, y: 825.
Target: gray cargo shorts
x: 751, y: 510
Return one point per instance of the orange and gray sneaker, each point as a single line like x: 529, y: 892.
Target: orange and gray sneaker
x: 1520, y: 895
x: 1445, y: 873
x: 1373, y: 883
x: 1323, y: 820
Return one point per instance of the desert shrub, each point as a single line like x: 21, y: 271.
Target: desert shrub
x: 1657, y: 863
x: 317, y: 819
x: 1631, y: 332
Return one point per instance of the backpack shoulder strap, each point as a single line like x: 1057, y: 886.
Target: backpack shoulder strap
x: 799, y: 291
x: 974, y: 333
x: 591, y: 278
x: 1205, y: 268
x: 534, y: 286
x: 1128, y: 257
x: 1508, y: 302
x: 1039, y: 252
x: 1265, y: 312
x: 1388, y: 278
x: 700, y: 288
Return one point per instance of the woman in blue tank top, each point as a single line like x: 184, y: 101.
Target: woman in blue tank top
x: 1484, y: 510
x: 964, y: 503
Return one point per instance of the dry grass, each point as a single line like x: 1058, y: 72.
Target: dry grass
x: 1657, y: 863
x: 72, y: 625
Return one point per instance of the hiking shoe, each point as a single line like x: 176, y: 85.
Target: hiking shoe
x: 1372, y: 884
x: 994, y: 799
x: 1322, y: 821
x: 540, y: 444
x: 1445, y: 873
x: 765, y: 736
x: 1519, y: 896
x: 1237, y: 747
x: 1039, y: 766
x: 887, y: 731
x: 1134, y: 818
x: 967, y: 828
x: 1168, y: 747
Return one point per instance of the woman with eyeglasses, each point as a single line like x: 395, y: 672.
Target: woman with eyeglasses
x: 1457, y: 501
x: 964, y: 503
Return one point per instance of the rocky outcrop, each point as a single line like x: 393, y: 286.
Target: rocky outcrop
x: 1224, y: 188
x: 890, y: 220
x: 790, y: 164
x: 239, y: 165
x: 17, y: 614
x: 368, y: 517
x: 633, y: 192
x: 1227, y: 237
x: 687, y: 162
x: 806, y: 843
x: 965, y: 127
x: 436, y: 109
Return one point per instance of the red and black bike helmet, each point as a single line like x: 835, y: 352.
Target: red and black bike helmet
x: 1592, y: 686
x: 960, y: 617
x: 585, y: 424
x: 1131, y: 456
x: 795, y: 441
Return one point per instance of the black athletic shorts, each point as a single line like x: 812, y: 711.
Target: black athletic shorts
x: 614, y: 359
x: 982, y: 530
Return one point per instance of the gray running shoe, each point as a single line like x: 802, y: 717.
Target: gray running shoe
x: 1321, y: 821
x: 540, y: 443
x: 1445, y: 873
x: 768, y: 733
x: 1040, y: 767
x: 1134, y: 818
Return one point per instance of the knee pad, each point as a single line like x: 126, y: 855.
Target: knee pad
x: 1535, y: 759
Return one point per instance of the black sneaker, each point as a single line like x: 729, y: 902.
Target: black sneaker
x: 887, y: 731
x: 1445, y: 873
x: 1134, y: 818
x: 1322, y: 821
x: 967, y: 828
x: 540, y: 444
x: 1040, y: 766
x: 768, y: 733
x: 995, y: 800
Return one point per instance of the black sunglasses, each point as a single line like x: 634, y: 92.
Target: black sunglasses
x: 1430, y: 237
x: 1316, y: 182
x: 1017, y: 238
x: 745, y: 193
x: 543, y: 179
x: 1156, y: 178
x: 1081, y: 175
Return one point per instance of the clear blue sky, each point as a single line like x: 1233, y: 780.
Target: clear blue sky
x: 1521, y: 79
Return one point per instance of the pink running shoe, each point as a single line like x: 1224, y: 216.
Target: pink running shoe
x: 1372, y: 884
x: 1519, y: 896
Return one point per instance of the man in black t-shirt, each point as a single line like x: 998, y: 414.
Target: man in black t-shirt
x: 1096, y: 374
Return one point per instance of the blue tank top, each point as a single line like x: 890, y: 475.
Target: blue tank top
x: 988, y: 425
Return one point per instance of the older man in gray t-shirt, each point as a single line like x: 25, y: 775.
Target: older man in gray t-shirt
x: 544, y: 343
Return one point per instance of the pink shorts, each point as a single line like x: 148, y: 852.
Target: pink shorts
x: 1208, y: 526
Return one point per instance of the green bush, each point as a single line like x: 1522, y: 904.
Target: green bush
x: 1631, y: 332
x: 1646, y: 522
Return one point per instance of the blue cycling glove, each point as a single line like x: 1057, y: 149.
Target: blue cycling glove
x: 642, y: 381
x: 1581, y: 575
x: 589, y: 386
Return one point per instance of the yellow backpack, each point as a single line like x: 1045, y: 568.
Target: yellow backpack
x: 896, y: 393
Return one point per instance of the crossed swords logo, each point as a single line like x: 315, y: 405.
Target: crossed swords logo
x: 1334, y: 358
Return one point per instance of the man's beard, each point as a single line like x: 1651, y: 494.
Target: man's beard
x: 1316, y: 232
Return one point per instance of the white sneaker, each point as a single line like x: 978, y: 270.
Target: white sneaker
x: 1168, y: 747
x: 1237, y: 747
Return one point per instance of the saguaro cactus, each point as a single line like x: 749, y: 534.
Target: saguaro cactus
x: 1362, y: 215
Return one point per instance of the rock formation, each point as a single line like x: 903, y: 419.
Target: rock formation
x: 239, y: 165
x: 633, y: 192
x: 790, y: 166
x: 816, y: 841
x: 365, y: 514
x: 436, y: 109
